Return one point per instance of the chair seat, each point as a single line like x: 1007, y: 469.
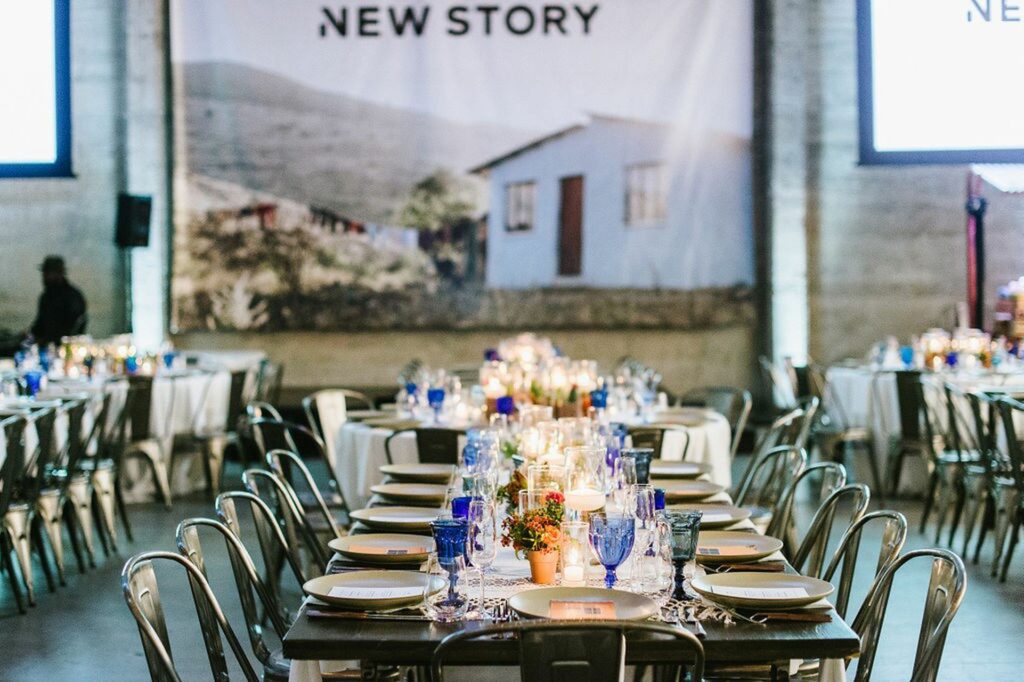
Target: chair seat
x: 971, y: 457
x: 319, y: 524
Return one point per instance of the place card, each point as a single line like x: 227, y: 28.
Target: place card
x: 386, y: 551
x: 769, y: 593
x: 581, y: 610
x: 715, y: 517
x: 727, y: 550
x: 369, y: 593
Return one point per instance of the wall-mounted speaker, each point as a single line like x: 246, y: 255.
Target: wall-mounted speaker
x: 133, y: 213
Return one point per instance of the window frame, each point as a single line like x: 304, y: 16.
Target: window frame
x: 653, y: 206
x: 515, y: 186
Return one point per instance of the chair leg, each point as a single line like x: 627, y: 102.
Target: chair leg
x: 48, y: 511
x: 16, y: 522
x: 958, y: 510
x: 875, y: 474
x: 104, y: 507
x: 895, y: 469
x: 122, y: 511
x: 71, y: 521
x: 1014, y: 537
x: 1002, y: 523
x: 973, y: 506
x: 988, y: 515
x: 213, y: 461
x: 154, y: 456
x: 80, y: 499
x: 929, y: 500
x: 6, y: 549
x: 36, y: 538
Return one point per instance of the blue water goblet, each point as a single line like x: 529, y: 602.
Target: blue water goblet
x: 450, y: 537
x: 435, y: 398
x: 33, y: 381
x: 611, y: 536
x: 643, y: 457
x: 685, y: 527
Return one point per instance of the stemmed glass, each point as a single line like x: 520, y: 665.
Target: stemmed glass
x: 685, y: 527
x: 450, y: 538
x: 482, y: 544
x: 435, y: 398
x: 645, y: 532
x: 611, y: 536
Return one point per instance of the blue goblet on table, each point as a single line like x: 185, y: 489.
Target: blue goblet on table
x: 611, y: 536
x: 685, y: 527
x: 642, y: 457
x: 450, y: 537
x: 435, y: 398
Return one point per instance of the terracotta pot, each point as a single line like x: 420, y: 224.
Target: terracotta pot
x: 543, y: 566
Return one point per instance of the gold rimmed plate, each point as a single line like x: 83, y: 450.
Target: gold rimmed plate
x: 660, y: 469
x: 767, y: 591
x: 689, y: 491
x: 421, y: 493
x: 582, y: 603
x: 414, y: 519
x: 373, y: 590
x: 721, y: 546
x: 714, y: 515
x: 419, y: 473
x: 384, y: 548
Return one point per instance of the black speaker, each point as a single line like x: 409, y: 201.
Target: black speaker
x: 133, y: 220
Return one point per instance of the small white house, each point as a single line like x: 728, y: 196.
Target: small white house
x: 619, y: 203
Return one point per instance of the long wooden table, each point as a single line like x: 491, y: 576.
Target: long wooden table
x: 412, y: 643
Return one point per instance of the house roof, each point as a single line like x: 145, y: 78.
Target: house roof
x: 508, y: 156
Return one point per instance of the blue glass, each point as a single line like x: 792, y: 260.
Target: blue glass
x: 33, y: 381
x: 506, y: 405
x: 411, y: 388
x: 491, y: 355
x: 450, y: 537
x: 907, y: 356
x: 952, y: 358
x: 611, y: 536
x: 435, y: 398
x: 659, y: 499
x: 599, y: 398
x: 19, y: 357
x: 643, y: 457
x: 44, y: 359
x: 471, y: 450
x: 131, y: 364
x: 685, y: 528
x: 169, y: 358
x: 460, y: 507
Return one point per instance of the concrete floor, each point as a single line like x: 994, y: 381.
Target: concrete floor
x: 84, y: 630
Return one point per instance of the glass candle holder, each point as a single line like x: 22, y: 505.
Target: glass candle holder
x: 531, y: 499
x: 685, y: 527
x: 545, y: 477
x: 585, y: 478
x: 575, y: 553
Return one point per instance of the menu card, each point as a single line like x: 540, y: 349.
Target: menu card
x: 386, y: 551
x: 581, y: 610
x: 727, y: 550
x: 346, y: 592
x: 769, y: 593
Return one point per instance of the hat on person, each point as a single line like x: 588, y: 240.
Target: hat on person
x: 53, y: 264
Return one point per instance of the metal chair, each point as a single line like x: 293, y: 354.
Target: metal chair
x: 769, y: 475
x: 946, y: 589
x: 809, y: 558
x: 276, y: 434
x: 13, y: 428
x: 269, y: 378
x: 144, y: 442
x: 782, y: 382
x: 251, y: 589
x: 290, y: 469
x: 734, y: 404
x: 434, y: 445
x: 273, y: 546
x: 832, y: 477
x: 653, y: 437
x: 138, y: 581
x: 1009, y: 505
x: 984, y: 491
x: 104, y: 473
x: 916, y: 437
x: 894, y: 535
x: 783, y: 431
x: 589, y: 651
x: 325, y: 410
x: 213, y: 441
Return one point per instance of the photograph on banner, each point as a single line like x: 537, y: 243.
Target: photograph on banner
x: 434, y: 164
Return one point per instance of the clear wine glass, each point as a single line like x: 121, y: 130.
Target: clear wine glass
x: 643, y: 506
x: 482, y: 544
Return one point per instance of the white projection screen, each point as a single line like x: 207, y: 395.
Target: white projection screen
x: 940, y: 81
x: 35, y: 128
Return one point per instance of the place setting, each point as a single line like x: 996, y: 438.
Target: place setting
x: 417, y: 494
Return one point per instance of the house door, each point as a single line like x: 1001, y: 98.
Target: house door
x: 570, y: 227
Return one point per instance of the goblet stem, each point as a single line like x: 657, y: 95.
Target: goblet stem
x: 609, y: 577
x: 679, y: 592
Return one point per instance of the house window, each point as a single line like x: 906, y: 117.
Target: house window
x: 519, y: 202
x: 646, y: 194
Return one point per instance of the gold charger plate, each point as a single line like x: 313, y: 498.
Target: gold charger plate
x: 419, y: 473
x: 416, y: 519
x: 373, y: 590
x: 411, y: 492
x: 682, y: 491
x: 718, y: 546
x: 660, y: 469
x: 714, y: 515
x: 384, y: 548
x: 536, y: 603
x: 761, y: 590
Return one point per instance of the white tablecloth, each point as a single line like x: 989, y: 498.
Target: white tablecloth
x: 361, y: 453
x: 866, y: 397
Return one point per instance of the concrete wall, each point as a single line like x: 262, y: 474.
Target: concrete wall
x: 74, y: 217
x: 886, y: 246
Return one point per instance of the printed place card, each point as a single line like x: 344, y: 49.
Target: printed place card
x: 728, y: 550
x: 386, y: 551
x: 770, y: 593
x: 581, y: 610
x: 346, y: 592
x: 715, y: 517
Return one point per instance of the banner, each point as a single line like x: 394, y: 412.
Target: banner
x: 351, y: 165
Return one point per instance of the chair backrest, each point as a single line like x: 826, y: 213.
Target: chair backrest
x: 734, y: 404
x: 556, y: 651
x: 435, y: 445
x: 75, y: 443
x: 1007, y: 408
x: 832, y: 476
x: 276, y: 434
x: 910, y: 404
x: 114, y: 440
x: 946, y: 588
x: 986, y: 429
x: 274, y: 546
x: 268, y: 381
x: 894, y: 535
x: 258, y: 409
x: 140, y: 410
x: 653, y: 437
x: 38, y: 469
x: 14, y: 459
x: 138, y: 581
x: 810, y: 555
x: 784, y: 393
x: 252, y: 592
x: 297, y: 531
x: 769, y: 474
x: 782, y: 431
x: 327, y: 411
x: 290, y: 468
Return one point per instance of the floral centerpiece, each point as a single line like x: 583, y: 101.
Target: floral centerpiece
x: 509, y: 493
x: 537, y: 532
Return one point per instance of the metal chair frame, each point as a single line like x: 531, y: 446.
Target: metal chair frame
x: 284, y: 433
x: 778, y: 434
x: 769, y: 474
x: 735, y: 404
x: 653, y: 437
x: 434, y: 444
x: 282, y: 463
x: 544, y: 644
x: 1009, y: 505
x: 894, y: 536
x: 782, y: 526
x: 809, y: 558
x: 312, y: 409
x: 139, y: 584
